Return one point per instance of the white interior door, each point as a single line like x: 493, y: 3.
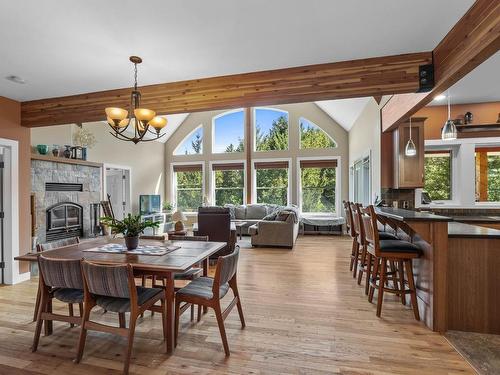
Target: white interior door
x: 118, y: 189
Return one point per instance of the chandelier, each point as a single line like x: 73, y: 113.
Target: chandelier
x: 139, y: 120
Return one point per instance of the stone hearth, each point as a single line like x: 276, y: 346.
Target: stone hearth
x: 43, y: 172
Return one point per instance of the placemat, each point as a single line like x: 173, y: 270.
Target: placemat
x: 115, y: 248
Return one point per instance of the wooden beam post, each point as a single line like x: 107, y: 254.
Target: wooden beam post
x: 248, y: 153
x: 470, y: 42
x: 482, y: 176
x: 356, y: 78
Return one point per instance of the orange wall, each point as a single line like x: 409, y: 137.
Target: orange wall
x: 10, y: 127
x: 483, y: 113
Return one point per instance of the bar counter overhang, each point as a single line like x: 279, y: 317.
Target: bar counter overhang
x: 457, y: 277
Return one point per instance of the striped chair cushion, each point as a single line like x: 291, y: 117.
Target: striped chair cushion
x: 202, y: 287
x: 61, y: 273
x: 57, y: 244
x: 228, y: 265
x: 109, y: 281
x: 69, y: 295
x: 121, y: 305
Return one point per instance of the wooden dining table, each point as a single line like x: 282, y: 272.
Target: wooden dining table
x: 189, y: 254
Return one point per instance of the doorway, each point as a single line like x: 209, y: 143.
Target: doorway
x: 117, y: 188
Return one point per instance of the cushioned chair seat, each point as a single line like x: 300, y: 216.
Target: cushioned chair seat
x: 398, y: 246
x: 188, y: 275
x: 202, y: 287
x: 120, y: 305
x: 69, y: 295
x: 387, y: 236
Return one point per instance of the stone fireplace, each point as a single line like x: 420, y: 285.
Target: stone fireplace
x: 64, y: 193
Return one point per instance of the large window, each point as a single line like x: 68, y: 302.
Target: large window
x: 312, y: 136
x: 361, y: 181
x: 271, y: 182
x: 229, y: 132
x: 188, y: 187
x: 437, y: 167
x: 271, y: 129
x: 488, y: 174
x: 229, y: 183
x: 192, y: 144
x: 318, y: 179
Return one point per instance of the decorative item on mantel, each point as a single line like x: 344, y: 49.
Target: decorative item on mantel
x: 83, y: 139
x: 42, y: 149
x: 67, y: 151
x: 468, y: 118
x: 55, y: 150
x: 131, y: 227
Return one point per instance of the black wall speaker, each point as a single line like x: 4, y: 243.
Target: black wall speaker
x: 425, y: 78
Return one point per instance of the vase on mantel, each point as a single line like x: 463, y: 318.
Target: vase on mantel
x: 67, y: 151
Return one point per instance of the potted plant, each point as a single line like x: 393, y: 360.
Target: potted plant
x: 131, y: 227
x: 167, y: 207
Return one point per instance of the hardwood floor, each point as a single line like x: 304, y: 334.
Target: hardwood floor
x: 304, y: 312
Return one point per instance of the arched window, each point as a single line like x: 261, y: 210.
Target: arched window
x: 271, y: 129
x: 192, y: 144
x: 229, y: 132
x: 312, y: 136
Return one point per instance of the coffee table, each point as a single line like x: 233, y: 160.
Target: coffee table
x: 239, y: 226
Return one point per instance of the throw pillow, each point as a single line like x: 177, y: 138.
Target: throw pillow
x: 270, y: 217
x: 282, y: 215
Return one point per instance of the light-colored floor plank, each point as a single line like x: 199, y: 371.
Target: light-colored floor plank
x: 305, y: 315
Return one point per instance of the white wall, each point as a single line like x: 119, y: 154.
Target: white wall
x: 146, y: 160
x: 364, y: 139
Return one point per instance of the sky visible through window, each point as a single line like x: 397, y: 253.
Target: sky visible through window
x: 192, y: 144
x: 229, y: 130
x: 264, y: 118
x: 271, y: 129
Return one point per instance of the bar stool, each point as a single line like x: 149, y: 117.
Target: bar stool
x: 396, y: 251
x: 351, y: 232
x: 365, y: 262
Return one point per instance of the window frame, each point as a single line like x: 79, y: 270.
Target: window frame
x: 320, y: 128
x: 213, y: 132
x: 338, y: 184
x: 174, y: 153
x: 212, y: 177
x: 173, y: 185
x: 484, y: 146
x: 367, y: 155
x: 254, y: 177
x: 254, y: 129
x: 453, y: 180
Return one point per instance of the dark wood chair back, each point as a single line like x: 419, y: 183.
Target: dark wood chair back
x: 215, y: 222
x: 60, y: 273
x: 359, y: 228
x: 349, y: 219
x: 109, y: 281
x: 227, y: 266
x: 370, y: 227
x: 57, y: 244
x: 157, y: 238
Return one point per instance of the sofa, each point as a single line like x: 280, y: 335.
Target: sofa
x: 281, y: 230
x: 251, y: 213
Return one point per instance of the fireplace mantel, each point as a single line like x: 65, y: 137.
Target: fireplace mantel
x: 65, y: 160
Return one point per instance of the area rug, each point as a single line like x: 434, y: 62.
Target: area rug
x: 482, y: 351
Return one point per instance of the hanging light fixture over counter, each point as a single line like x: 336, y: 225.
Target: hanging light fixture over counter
x: 410, y: 149
x: 140, y: 119
x: 449, y: 131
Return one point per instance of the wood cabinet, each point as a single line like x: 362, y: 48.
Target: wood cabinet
x: 398, y: 170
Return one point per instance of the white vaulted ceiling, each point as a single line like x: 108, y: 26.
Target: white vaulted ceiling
x: 77, y: 46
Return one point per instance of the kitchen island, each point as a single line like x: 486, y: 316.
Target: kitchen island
x: 457, y: 276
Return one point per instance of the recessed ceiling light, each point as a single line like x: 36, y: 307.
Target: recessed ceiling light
x: 440, y: 97
x: 16, y: 79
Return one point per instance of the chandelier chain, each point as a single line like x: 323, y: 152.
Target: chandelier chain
x: 135, y: 76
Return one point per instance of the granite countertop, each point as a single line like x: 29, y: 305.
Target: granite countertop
x: 461, y: 230
x: 409, y: 215
x: 477, y: 218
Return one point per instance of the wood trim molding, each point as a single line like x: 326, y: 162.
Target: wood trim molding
x: 472, y: 40
x: 346, y: 79
x: 248, y: 153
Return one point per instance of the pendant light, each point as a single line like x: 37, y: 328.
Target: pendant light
x: 449, y: 131
x: 410, y: 149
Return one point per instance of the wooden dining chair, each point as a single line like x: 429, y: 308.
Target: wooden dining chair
x: 207, y: 291
x: 113, y: 288
x: 190, y: 274
x: 396, y: 251
x: 159, y: 237
x: 52, y: 246
x: 60, y: 279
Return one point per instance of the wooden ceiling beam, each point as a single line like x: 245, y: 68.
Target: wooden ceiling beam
x: 357, y: 78
x: 473, y: 39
